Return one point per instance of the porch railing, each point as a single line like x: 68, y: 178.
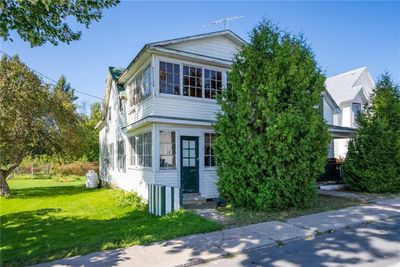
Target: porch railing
x: 163, y: 199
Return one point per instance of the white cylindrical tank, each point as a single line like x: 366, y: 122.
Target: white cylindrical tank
x: 91, y: 179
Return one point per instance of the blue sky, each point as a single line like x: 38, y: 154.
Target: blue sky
x: 343, y: 35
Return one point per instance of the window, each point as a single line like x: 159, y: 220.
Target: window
x: 212, y: 83
x: 121, y: 105
x: 132, y: 141
x: 209, y: 158
x: 121, y: 155
x: 167, y: 149
x: 111, y: 156
x: 169, y: 78
x: 356, y: 108
x: 141, y: 149
x: 140, y: 86
x: 147, y: 149
x: 192, y: 81
x: 109, y: 113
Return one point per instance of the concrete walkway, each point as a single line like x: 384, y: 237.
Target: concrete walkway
x: 200, y: 248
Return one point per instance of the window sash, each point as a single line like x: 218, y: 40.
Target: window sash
x: 212, y: 83
x: 209, y: 157
x: 169, y: 78
x: 140, y: 86
x: 167, y: 149
x: 141, y: 150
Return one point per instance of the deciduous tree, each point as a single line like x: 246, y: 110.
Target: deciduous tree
x: 41, y: 21
x: 34, y: 120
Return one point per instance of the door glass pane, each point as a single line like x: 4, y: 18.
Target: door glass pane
x: 192, y: 144
x: 185, y: 144
x: 185, y: 163
x: 192, y: 153
x: 186, y: 153
x: 192, y: 162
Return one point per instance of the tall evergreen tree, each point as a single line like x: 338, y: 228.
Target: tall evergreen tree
x: 373, y: 158
x: 271, y: 141
x: 64, y: 86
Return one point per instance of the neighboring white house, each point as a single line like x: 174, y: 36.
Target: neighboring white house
x: 350, y: 91
x: 159, y: 114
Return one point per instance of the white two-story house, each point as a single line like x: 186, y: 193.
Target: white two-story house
x: 159, y: 113
x: 350, y: 91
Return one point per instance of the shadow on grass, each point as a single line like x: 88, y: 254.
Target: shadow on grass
x: 48, y: 191
x: 43, y: 235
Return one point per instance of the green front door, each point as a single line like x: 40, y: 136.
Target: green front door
x: 190, y: 164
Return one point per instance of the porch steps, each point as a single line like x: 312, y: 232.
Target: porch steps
x: 193, y: 198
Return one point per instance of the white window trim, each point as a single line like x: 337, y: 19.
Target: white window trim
x: 189, y: 64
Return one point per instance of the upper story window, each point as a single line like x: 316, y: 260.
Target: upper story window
x: 167, y: 150
x: 192, y: 81
x: 140, y: 86
x: 169, y: 78
x: 212, y: 83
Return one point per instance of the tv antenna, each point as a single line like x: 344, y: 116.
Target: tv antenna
x: 225, y: 21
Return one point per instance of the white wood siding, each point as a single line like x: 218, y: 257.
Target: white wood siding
x: 218, y: 47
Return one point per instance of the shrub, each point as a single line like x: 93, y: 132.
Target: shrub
x: 75, y: 168
x: 271, y: 141
x: 130, y: 199
x: 373, y: 158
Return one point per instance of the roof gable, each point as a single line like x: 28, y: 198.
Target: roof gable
x: 346, y: 86
x: 222, y: 45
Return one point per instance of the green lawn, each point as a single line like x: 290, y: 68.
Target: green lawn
x: 48, y: 219
x: 322, y: 203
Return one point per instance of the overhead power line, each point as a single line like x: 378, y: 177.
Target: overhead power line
x: 54, y: 81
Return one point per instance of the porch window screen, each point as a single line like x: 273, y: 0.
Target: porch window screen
x: 209, y: 158
x: 121, y: 155
x: 192, y: 81
x: 167, y: 150
x: 141, y: 149
x: 169, y: 78
x: 212, y: 83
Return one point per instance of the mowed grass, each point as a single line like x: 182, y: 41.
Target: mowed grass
x: 238, y: 216
x: 47, y: 219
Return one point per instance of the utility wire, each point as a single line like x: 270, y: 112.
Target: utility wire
x: 50, y: 79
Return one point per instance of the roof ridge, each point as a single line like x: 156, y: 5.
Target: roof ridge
x: 348, y: 72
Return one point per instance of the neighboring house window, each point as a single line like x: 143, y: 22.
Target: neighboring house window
x: 140, y: 86
x: 109, y: 113
x: 111, y: 156
x: 169, y: 78
x: 212, y: 83
x: 141, y: 148
x: 192, y: 81
x: 121, y: 155
x: 167, y: 149
x: 209, y: 158
x: 356, y: 107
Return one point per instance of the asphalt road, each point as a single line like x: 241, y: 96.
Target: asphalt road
x: 376, y: 244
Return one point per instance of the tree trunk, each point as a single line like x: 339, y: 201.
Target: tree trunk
x: 4, y: 188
